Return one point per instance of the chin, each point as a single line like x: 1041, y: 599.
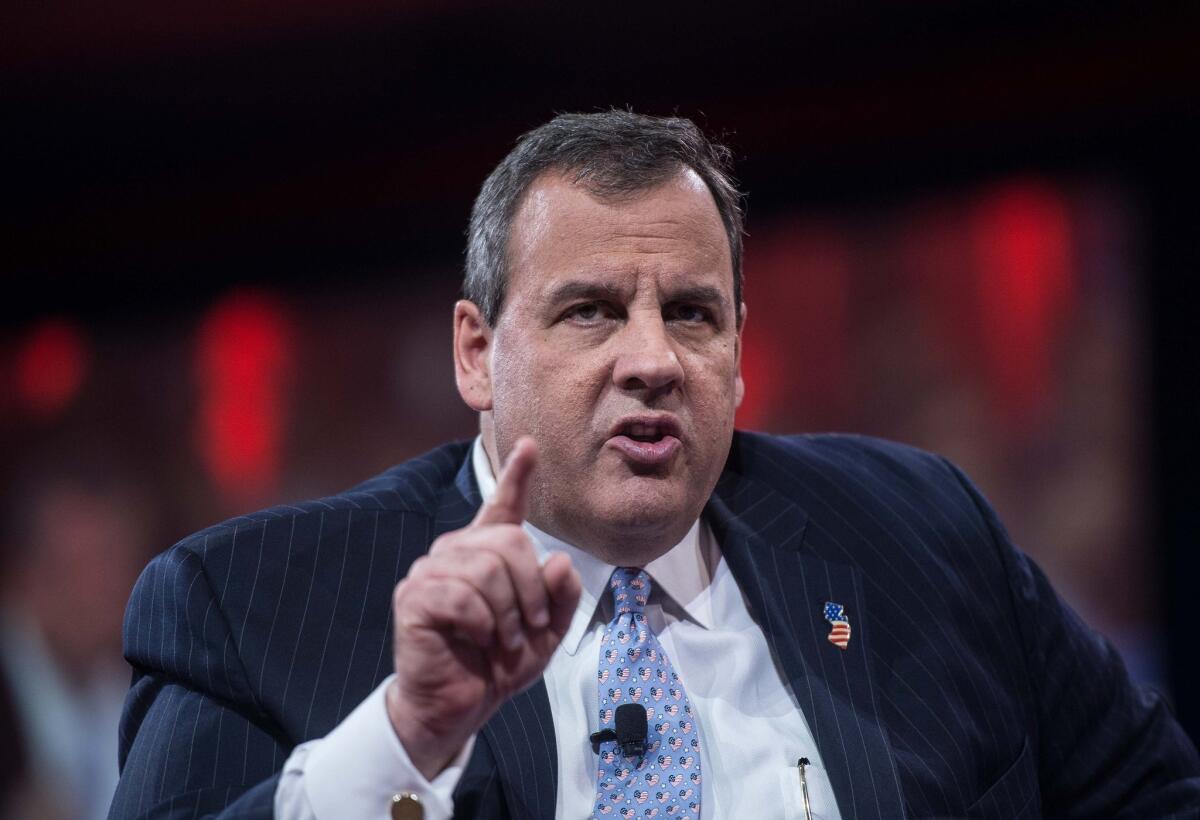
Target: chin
x: 645, y: 508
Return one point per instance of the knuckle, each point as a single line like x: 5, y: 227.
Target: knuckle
x: 406, y: 598
x: 445, y: 544
x: 514, y: 539
x: 487, y: 563
x: 418, y: 567
x: 457, y: 598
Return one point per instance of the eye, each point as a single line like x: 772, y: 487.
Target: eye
x: 690, y: 314
x: 588, y: 312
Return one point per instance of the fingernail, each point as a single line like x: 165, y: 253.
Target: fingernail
x: 541, y: 618
x: 514, y: 640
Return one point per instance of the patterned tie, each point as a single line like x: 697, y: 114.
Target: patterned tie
x: 665, y: 782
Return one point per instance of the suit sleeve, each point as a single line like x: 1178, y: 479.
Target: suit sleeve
x: 1105, y: 747
x: 193, y: 743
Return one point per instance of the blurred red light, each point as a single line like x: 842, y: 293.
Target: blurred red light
x: 796, y: 352
x: 51, y: 366
x: 1022, y: 240
x: 242, y: 361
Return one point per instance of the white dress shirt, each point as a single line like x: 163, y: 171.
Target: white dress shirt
x: 751, y: 728
x: 67, y: 727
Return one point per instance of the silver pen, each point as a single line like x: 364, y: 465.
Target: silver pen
x: 800, y: 764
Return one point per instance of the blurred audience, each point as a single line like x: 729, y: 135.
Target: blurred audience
x: 76, y: 534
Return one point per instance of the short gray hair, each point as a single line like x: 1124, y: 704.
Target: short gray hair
x: 614, y: 154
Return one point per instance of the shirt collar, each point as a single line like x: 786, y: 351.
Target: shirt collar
x: 682, y: 575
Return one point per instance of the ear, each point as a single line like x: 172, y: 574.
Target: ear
x: 739, y: 385
x: 472, y: 356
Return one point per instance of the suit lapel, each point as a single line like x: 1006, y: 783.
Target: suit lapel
x: 762, y: 537
x: 521, y: 733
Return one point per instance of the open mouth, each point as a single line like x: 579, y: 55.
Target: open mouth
x: 646, y: 441
x: 644, y: 432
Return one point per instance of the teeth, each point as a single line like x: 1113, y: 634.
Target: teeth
x: 644, y: 432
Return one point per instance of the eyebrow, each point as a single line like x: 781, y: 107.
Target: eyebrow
x: 582, y: 289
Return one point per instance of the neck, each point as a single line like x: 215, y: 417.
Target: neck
x: 618, y: 548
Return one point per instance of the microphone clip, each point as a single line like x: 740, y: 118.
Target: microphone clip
x: 630, y: 746
x: 603, y: 736
x: 630, y: 733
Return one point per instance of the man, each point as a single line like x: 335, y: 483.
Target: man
x: 754, y: 600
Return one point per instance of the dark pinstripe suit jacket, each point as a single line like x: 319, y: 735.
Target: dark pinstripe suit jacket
x: 968, y: 689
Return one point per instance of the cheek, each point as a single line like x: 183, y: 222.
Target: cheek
x: 544, y: 390
x: 713, y: 379
x: 511, y: 360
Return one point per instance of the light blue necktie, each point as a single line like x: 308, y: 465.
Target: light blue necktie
x: 665, y: 781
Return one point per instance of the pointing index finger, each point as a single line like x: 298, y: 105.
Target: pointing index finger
x: 510, y: 502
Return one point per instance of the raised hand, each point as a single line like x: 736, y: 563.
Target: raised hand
x: 476, y: 621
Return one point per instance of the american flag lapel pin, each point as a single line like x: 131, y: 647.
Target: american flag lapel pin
x: 839, y: 631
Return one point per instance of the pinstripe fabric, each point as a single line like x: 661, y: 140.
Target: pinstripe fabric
x: 967, y: 690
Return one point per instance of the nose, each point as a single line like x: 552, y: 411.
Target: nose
x: 646, y: 360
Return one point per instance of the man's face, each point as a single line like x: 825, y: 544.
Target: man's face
x: 618, y: 350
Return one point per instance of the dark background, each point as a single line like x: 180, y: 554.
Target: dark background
x: 161, y: 159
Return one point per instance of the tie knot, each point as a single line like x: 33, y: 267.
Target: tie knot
x: 630, y: 589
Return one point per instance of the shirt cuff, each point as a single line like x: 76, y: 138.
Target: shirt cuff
x: 355, y: 770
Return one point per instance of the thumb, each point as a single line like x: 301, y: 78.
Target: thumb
x: 510, y: 502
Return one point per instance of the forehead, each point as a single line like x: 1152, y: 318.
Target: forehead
x: 671, y: 231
